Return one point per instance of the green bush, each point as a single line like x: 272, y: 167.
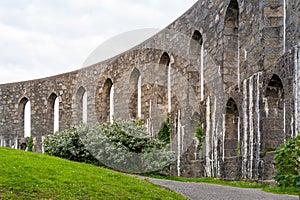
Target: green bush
x: 30, y: 144
x: 121, y: 145
x: 67, y: 144
x: 199, y: 135
x: 165, y: 131
x: 139, y: 122
x: 287, y: 163
x: 126, y: 146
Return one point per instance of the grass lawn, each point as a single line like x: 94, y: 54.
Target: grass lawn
x: 26, y: 175
x: 242, y: 184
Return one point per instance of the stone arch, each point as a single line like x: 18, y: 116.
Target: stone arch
x: 105, y: 107
x: 230, y: 41
x: 164, y: 59
x: 81, y: 101
x: 135, y: 94
x: 25, y: 116
x: 53, y: 112
x: 232, y: 147
x: 196, y: 45
x: 154, y: 103
x: 165, y: 79
x: 273, y: 129
x: 196, y: 70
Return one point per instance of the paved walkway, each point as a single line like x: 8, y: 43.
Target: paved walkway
x: 200, y: 191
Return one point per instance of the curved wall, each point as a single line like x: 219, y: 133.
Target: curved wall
x: 217, y: 52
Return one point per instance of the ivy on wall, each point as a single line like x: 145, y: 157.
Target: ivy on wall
x: 199, y: 135
x: 165, y: 131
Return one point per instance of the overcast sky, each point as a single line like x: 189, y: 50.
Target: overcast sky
x: 39, y: 38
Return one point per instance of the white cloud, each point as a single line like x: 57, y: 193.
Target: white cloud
x: 43, y: 38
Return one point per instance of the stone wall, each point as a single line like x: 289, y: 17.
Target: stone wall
x: 230, y: 66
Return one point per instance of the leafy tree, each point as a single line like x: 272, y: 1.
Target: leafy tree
x: 287, y: 163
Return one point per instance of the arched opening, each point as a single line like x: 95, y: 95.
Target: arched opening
x: 273, y: 125
x: 84, y: 108
x: 231, y: 142
x: 111, y: 104
x: 106, y: 108
x: 232, y: 146
x: 165, y: 61
x: 27, y: 120
x: 273, y: 131
x: 135, y: 94
x: 196, y: 45
x: 53, y: 112
x: 56, y: 115
x: 230, y: 41
x: 196, y: 53
x: 25, y: 116
x: 82, y: 105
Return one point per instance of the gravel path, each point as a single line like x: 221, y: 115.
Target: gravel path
x: 209, y: 191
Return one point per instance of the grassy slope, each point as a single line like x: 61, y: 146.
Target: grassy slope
x: 27, y: 175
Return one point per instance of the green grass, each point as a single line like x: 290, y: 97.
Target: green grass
x: 242, y: 184
x: 25, y: 175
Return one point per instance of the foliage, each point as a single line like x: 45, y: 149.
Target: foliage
x: 30, y: 144
x: 165, y: 131
x: 287, y: 163
x: 121, y: 145
x: 67, y: 144
x: 27, y: 175
x: 199, y: 135
x: 126, y: 146
x: 139, y: 122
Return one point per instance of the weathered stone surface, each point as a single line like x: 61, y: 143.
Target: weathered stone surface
x: 240, y: 88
